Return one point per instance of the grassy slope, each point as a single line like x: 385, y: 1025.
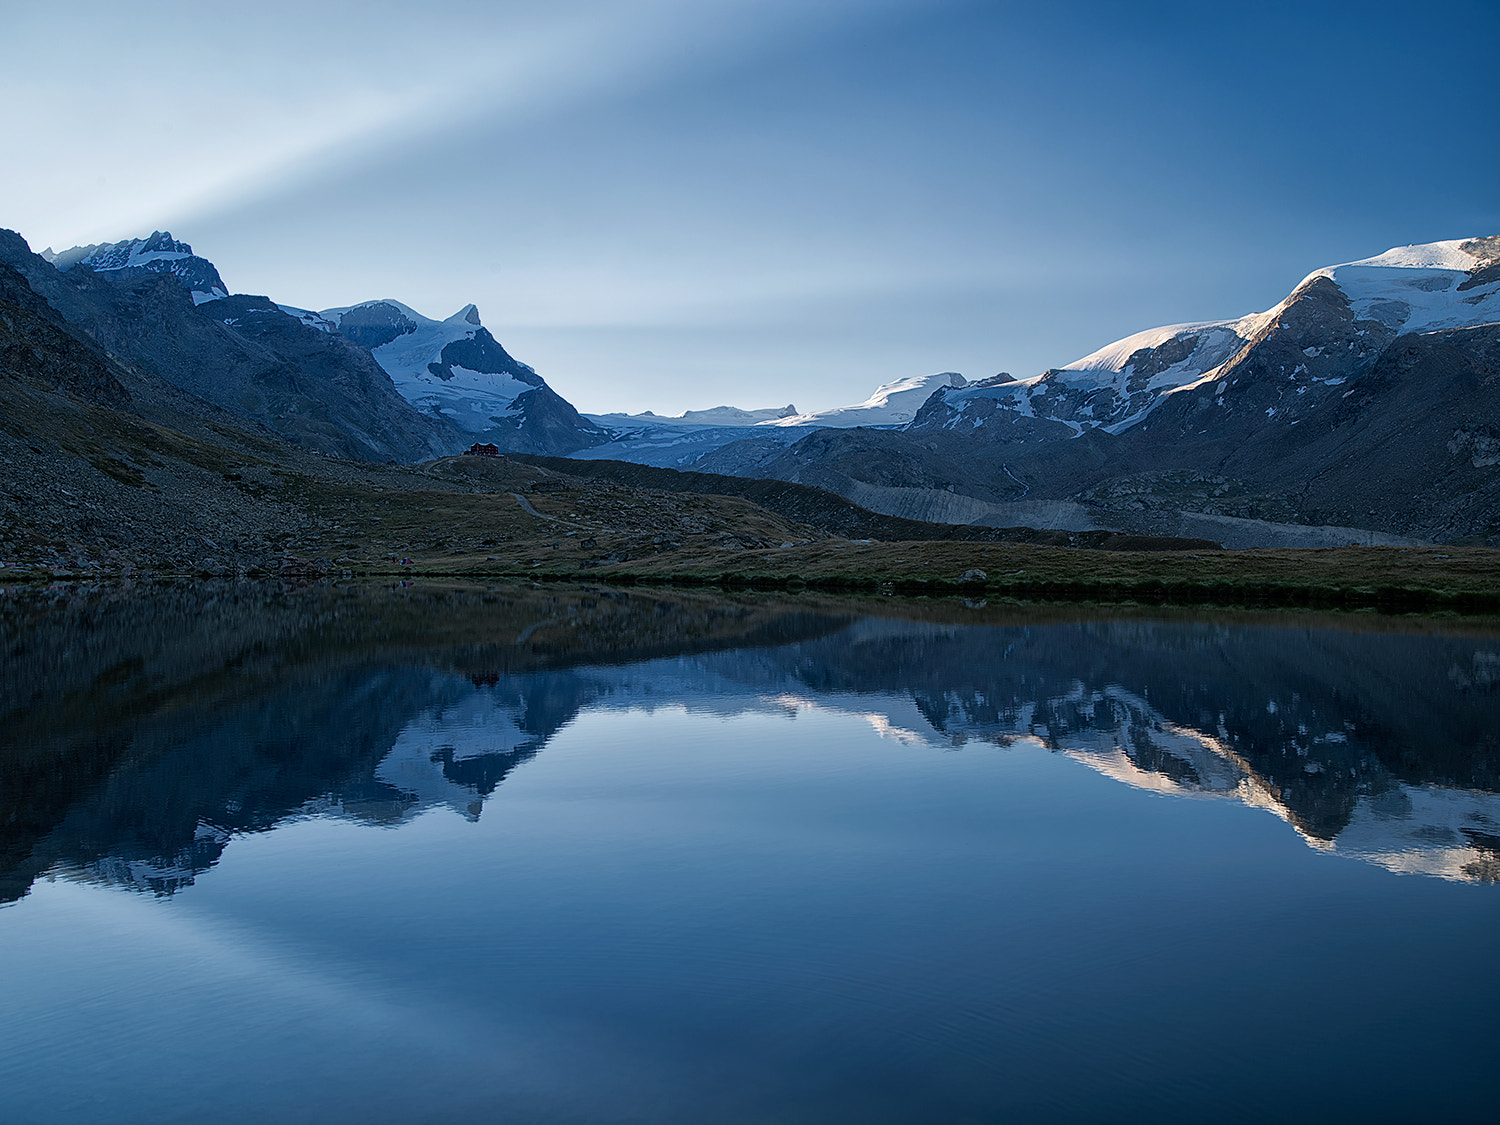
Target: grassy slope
x: 92, y: 492
x: 596, y: 529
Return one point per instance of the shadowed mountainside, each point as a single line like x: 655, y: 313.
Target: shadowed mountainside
x: 242, y: 354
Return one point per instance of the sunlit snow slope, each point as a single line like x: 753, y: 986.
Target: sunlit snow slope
x: 1426, y: 288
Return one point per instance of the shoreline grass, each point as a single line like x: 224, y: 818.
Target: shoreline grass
x: 1395, y: 580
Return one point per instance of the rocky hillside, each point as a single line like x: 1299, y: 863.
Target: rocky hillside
x: 106, y: 468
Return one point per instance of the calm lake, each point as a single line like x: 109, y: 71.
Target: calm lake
x: 583, y: 855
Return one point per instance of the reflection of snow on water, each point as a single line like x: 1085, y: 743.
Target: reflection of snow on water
x: 1116, y: 732
x: 460, y: 736
x: 1430, y: 830
x: 1427, y: 830
x: 477, y: 726
x: 162, y: 875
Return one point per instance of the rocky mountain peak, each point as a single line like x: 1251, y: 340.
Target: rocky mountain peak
x: 456, y: 371
x: 374, y: 323
x: 158, y: 253
x: 1487, y: 250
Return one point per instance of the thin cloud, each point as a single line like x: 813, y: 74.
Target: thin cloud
x: 129, y: 116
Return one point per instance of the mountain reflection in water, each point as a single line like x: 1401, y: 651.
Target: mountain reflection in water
x: 145, y: 731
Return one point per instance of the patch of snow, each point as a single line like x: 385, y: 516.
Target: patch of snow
x: 309, y: 318
x: 1114, y: 357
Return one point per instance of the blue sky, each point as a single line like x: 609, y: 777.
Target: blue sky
x: 668, y: 204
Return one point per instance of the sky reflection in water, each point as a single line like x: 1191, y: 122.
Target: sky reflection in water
x: 864, y: 869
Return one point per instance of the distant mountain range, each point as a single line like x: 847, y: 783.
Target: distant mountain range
x: 1362, y: 407
x: 1330, y: 330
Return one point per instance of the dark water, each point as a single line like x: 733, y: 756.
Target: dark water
x: 583, y: 856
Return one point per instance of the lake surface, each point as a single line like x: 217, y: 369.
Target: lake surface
x: 584, y: 855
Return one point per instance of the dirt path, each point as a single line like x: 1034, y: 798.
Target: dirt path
x: 529, y: 510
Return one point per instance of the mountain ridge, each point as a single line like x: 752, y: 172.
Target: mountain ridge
x: 157, y: 253
x: 1291, y: 417
x: 373, y: 381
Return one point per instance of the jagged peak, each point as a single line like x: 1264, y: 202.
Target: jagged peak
x: 1486, y: 250
x: 159, y: 252
x: 102, y: 256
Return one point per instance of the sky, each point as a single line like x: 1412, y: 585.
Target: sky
x: 676, y: 204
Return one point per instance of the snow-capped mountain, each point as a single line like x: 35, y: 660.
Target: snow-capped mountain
x: 764, y: 448
x: 452, y: 367
x: 239, y: 353
x: 160, y: 253
x: 455, y: 369
x: 457, y: 377
x: 892, y: 404
x: 1423, y: 288
x: 1112, y: 388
